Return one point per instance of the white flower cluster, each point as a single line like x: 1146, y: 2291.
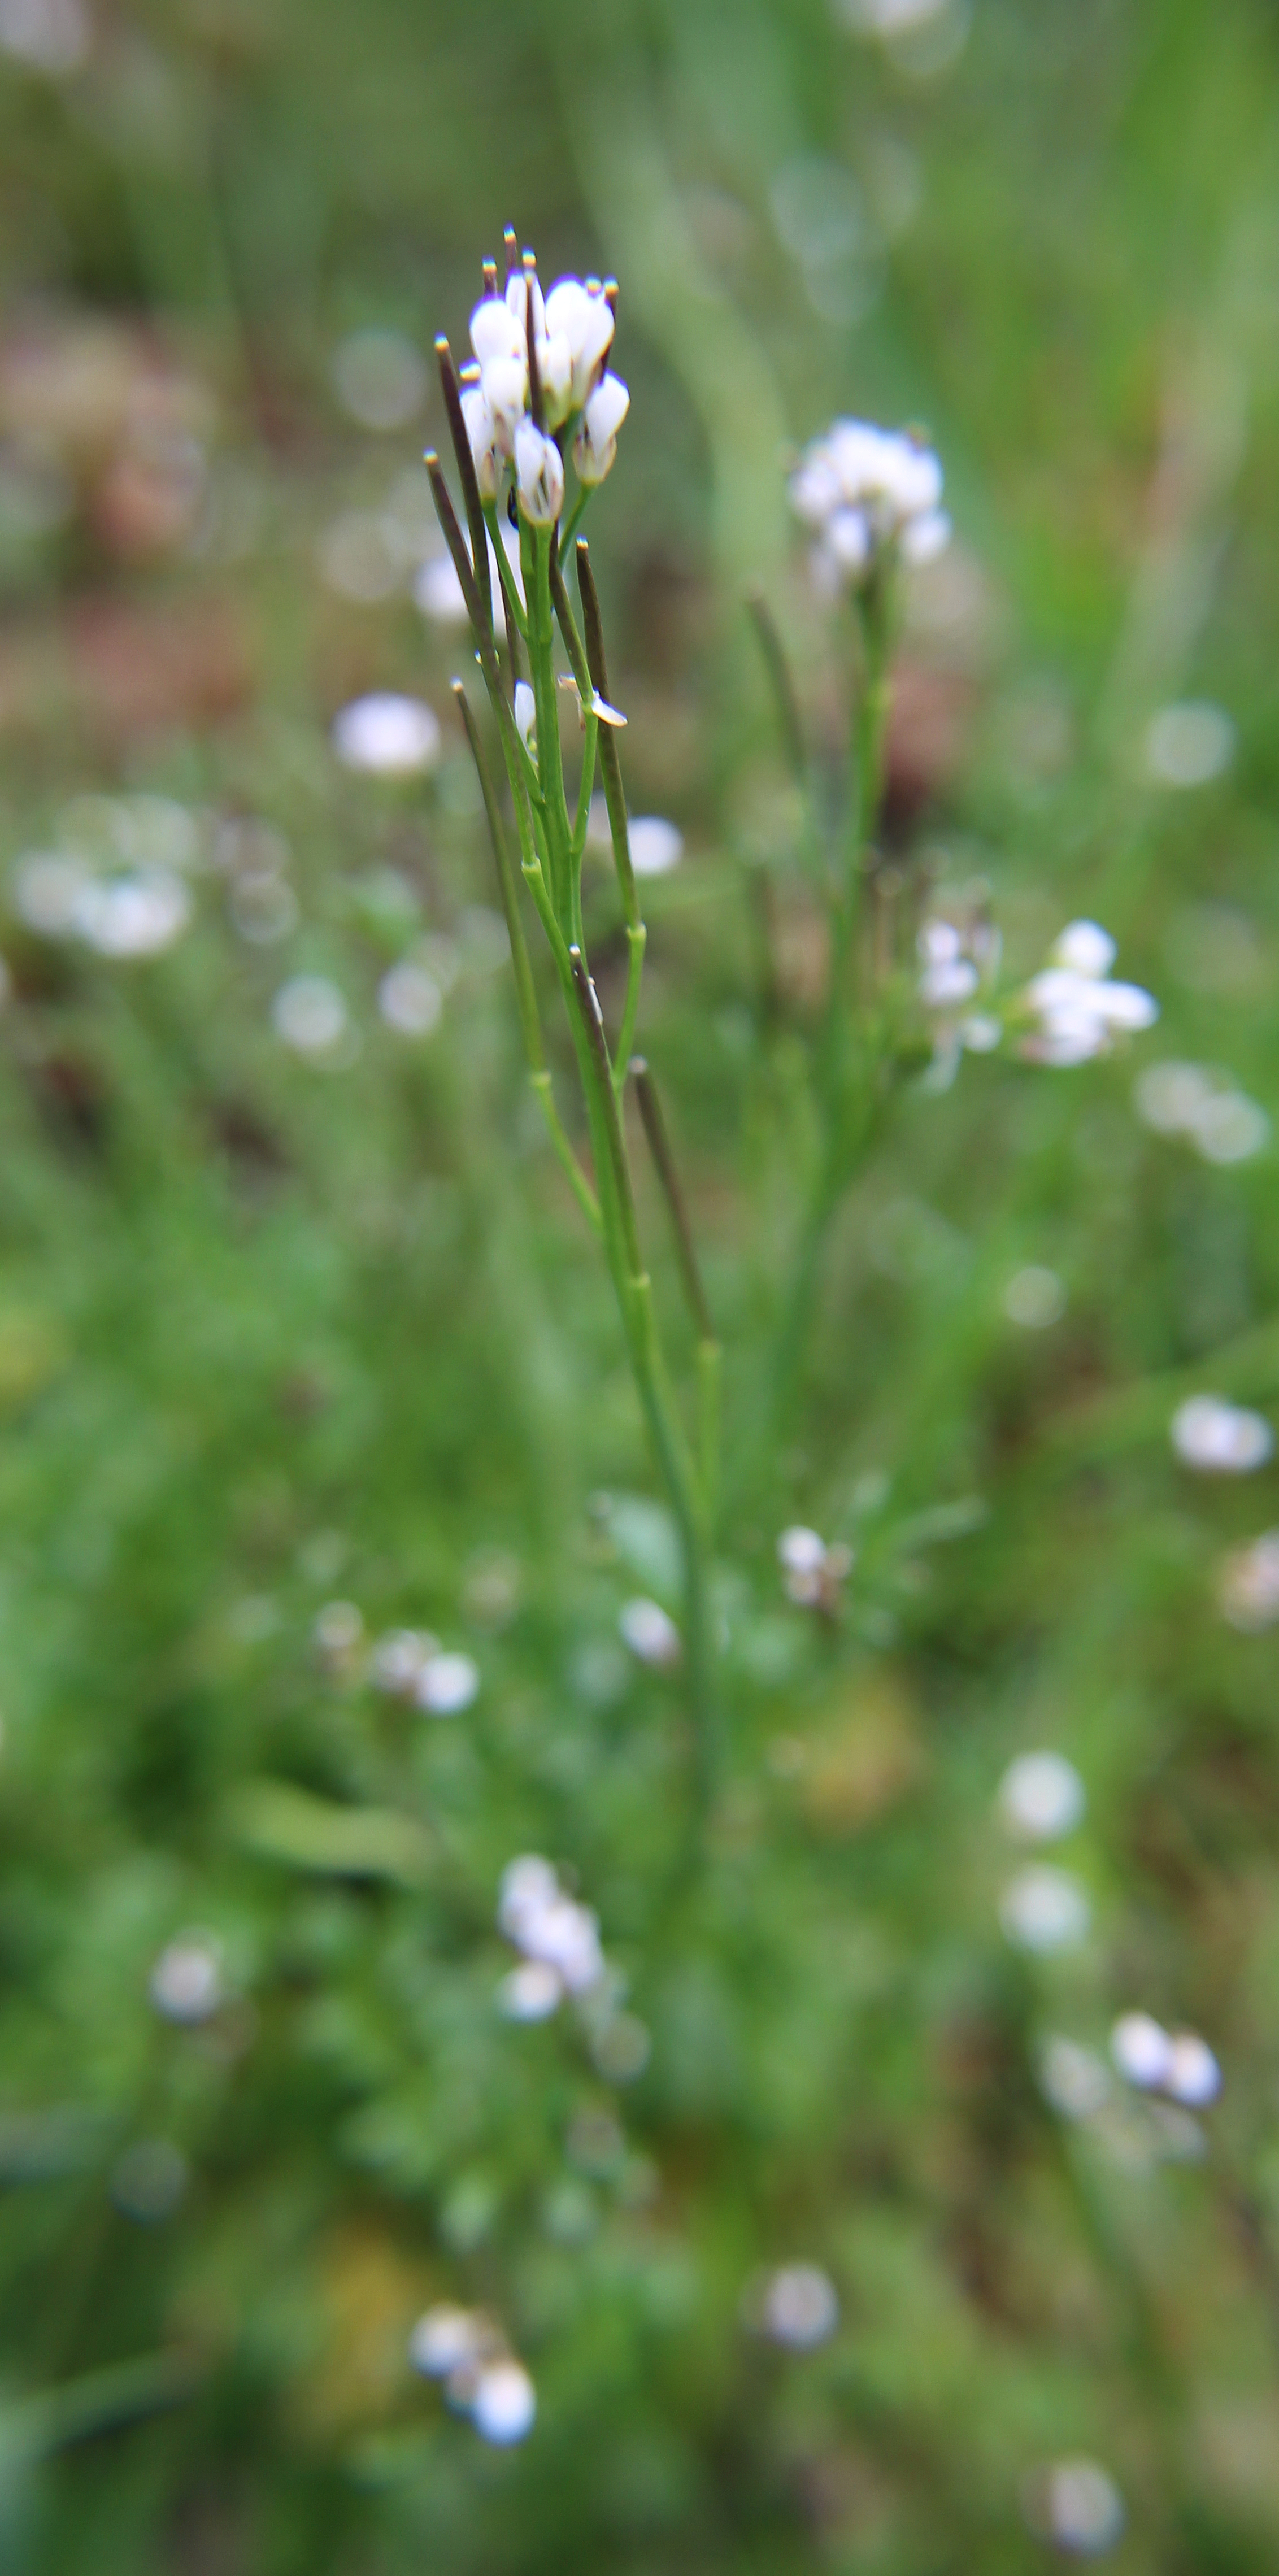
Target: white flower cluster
x: 539, y: 374
x: 409, y: 1664
x: 870, y: 496
x: 813, y: 1574
x: 559, y: 1941
x: 482, y: 2378
x: 1219, y: 1438
x: 1178, y: 2063
x: 1077, y: 1006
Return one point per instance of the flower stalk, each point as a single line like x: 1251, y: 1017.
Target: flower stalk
x: 538, y: 394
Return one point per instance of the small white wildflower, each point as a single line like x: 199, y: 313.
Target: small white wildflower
x: 387, y: 735
x: 531, y: 1992
x: 1248, y: 1584
x: 652, y: 1636
x: 1072, y: 2079
x: 1045, y: 1910
x: 187, y: 1980
x: 981, y: 1033
x: 1076, y: 2505
x: 504, y: 2404
x: 1041, y: 1797
x: 1084, y: 948
x: 1076, y: 1005
x: 656, y: 846
x: 947, y: 983
x: 1188, y: 744
x: 528, y: 1884
x: 310, y: 1014
x: 445, y: 2339
x: 1034, y: 1298
x: 800, y: 2307
x: 1193, y: 2076
x: 1220, y: 1439
x: 410, y: 1000
x: 583, y: 317
x: 447, y: 1684
x: 801, y: 1551
x: 1142, y: 2050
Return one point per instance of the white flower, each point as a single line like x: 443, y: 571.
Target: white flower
x: 926, y: 537
x: 1045, y: 1910
x: 391, y: 735
x: 656, y: 846
x: 1077, y: 1006
x: 133, y: 916
x: 800, y: 2307
x: 482, y: 434
x: 497, y: 328
x: 447, y: 1684
x: 526, y: 717
x: 531, y: 1992
x: 1084, y: 948
x: 652, y: 1636
x: 584, y: 318
x: 186, y: 1981
x: 948, y: 983
x: 1219, y: 1438
x: 539, y: 474
x: 505, y: 2403
x: 1041, y: 1797
x: 1193, y: 2075
x: 866, y: 493
x: 504, y: 384
x: 445, y: 2339
x: 812, y: 1572
x: 595, y: 445
x: 1142, y: 2050
x: 548, y: 1926
x: 520, y: 284
x: 1076, y: 2505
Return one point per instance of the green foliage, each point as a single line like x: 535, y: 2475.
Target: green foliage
x: 274, y: 1334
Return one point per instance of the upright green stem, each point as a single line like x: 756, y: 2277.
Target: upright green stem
x: 842, y: 1132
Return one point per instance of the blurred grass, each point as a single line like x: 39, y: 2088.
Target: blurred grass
x: 269, y: 1335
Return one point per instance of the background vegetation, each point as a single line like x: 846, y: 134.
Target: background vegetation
x: 273, y: 1334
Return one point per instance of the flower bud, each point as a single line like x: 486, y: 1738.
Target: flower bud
x: 481, y: 431
x: 595, y: 446
x: 586, y: 321
x: 505, y: 385
x: 539, y: 474
x: 526, y: 716
x: 495, y: 331
x: 555, y: 375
